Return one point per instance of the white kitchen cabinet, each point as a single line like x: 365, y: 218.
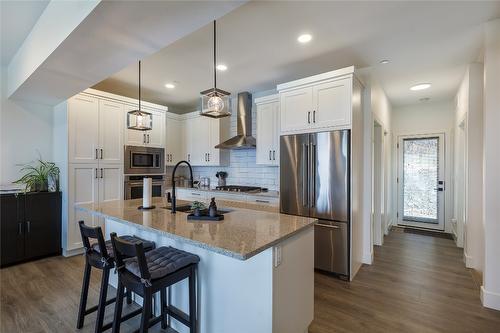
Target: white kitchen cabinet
x: 317, y: 103
x: 151, y: 138
x: 332, y: 104
x: 175, y: 144
x: 83, y: 130
x: 191, y: 194
x: 268, y: 130
x: 262, y: 200
x: 110, y: 135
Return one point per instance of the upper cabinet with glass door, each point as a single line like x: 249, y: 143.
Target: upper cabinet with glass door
x: 317, y: 103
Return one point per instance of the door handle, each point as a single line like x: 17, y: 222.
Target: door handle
x: 28, y: 226
x: 274, y: 155
x: 328, y: 226
x: 269, y: 155
x: 314, y: 116
x: 313, y: 174
x: 96, y: 154
x: 305, y: 173
x: 102, y: 173
x: 101, y: 153
x: 308, y: 117
x: 96, y: 176
x: 209, y: 157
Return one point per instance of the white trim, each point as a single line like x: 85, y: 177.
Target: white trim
x: 490, y: 299
x: 123, y: 99
x: 368, y: 258
x: 468, y: 260
x: 336, y: 74
x: 71, y: 253
x: 267, y: 99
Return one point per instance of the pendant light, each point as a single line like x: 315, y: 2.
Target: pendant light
x: 137, y: 119
x: 215, y: 103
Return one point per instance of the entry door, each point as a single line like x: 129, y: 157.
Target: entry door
x: 421, y: 181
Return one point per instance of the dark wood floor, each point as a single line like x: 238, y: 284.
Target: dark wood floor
x: 417, y: 284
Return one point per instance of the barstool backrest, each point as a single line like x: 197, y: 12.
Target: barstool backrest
x: 93, y: 233
x: 124, y: 249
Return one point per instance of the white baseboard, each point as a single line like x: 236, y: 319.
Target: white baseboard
x: 368, y: 258
x: 490, y: 299
x: 71, y: 253
x: 388, y: 227
x: 468, y: 260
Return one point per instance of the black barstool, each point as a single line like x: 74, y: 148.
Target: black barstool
x: 147, y: 273
x: 101, y: 256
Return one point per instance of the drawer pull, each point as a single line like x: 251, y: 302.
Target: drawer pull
x: 195, y: 193
x: 263, y: 201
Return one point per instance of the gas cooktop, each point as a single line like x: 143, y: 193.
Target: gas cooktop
x: 241, y: 188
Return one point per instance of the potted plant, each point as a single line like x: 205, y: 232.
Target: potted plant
x: 197, y: 207
x: 36, y: 178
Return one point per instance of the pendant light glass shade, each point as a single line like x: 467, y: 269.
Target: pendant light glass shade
x: 215, y: 103
x: 137, y: 119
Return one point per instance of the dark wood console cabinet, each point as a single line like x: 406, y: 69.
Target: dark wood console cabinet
x: 30, y: 226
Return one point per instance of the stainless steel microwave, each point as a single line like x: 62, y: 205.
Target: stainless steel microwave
x: 144, y: 160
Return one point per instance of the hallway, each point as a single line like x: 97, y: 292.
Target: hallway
x: 417, y: 283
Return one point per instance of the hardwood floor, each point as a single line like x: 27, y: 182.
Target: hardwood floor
x: 418, y: 283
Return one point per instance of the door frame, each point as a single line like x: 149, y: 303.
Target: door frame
x: 442, y: 170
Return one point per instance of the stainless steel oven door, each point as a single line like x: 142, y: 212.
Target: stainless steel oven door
x: 133, y: 189
x: 144, y: 160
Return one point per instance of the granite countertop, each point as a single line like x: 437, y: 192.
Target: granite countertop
x: 242, y: 234
x: 271, y: 194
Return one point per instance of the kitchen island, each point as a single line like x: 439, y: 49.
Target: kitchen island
x: 256, y: 270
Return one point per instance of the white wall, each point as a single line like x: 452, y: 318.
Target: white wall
x: 469, y: 109
x: 25, y: 132
x: 425, y: 118
x: 490, y: 291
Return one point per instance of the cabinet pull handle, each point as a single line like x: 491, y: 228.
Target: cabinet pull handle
x: 96, y: 154
x: 262, y: 201
x: 308, y: 117
x: 148, y: 138
x: 269, y: 155
x: 189, y: 157
x: 314, y: 116
x: 209, y: 157
x: 101, y: 153
x: 195, y: 193
x: 96, y: 176
x: 102, y: 173
x: 28, y: 226
x: 20, y: 228
x: 274, y: 155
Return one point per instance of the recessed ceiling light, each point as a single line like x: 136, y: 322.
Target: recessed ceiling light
x: 305, y: 38
x: 170, y: 86
x: 420, y: 86
x: 221, y: 67
x: 384, y: 62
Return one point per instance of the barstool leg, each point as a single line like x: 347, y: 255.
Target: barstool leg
x: 102, y: 300
x: 118, y: 308
x: 83, y: 296
x: 192, y: 300
x: 163, y: 305
x: 128, y: 293
x: 146, y: 310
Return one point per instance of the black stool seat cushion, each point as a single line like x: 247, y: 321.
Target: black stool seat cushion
x: 148, y: 245
x: 162, y: 261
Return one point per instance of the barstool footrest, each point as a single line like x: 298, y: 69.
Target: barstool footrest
x: 178, y: 314
x: 94, y: 308
x: 152, y: 322
x: 124, y: 318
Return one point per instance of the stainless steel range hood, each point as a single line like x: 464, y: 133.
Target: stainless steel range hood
x: 244, y: 138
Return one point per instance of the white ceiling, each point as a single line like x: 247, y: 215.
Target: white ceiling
x: 425, y: 42
x: 17, y: 20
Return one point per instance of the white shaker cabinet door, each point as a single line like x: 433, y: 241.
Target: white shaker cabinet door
x: 156, y: 137
x: 175, y: 151
x: 110, y: 133
x: 83, y: 120
x: 296, y: 109
x: 83, y: 189
x: 133, y: 137
x: 265, y: 133
x: 276, y: 133
x: 332, y: 104
x: 110, y: 186
x: 213, y: 154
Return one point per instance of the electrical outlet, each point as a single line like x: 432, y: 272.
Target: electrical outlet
x: 277, y: 255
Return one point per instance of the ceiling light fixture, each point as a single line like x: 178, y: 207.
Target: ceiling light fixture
x: 420, y: 86
x: 305, y: 38
x: 221, y: 67
x: 170, y: 86
x: 384, y: 62
x: 137, y: 119
x: 215, y: 103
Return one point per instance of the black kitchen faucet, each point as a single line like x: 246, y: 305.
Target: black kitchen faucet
x: 173, y: 182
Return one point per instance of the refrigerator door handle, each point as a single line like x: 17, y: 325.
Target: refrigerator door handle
x: 305, y: 175
x: 328, y: 226
x: 313, y: 175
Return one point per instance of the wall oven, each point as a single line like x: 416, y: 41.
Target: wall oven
x: 133, y: 186
x: 144, y: 160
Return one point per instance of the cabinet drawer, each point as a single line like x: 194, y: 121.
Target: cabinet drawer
x: 228, y: 197
x: 191, y: 195
x: 261, y: 200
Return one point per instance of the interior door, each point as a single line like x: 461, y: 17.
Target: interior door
x: 110, y: 135
x: 83, y: 120
x: 329, y: 185
x: 296, y: 109
x: 294, y: 174
x: 43, y: 213
x: 421, y: 181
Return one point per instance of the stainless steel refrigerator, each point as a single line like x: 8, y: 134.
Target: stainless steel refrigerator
x: 314, y: 182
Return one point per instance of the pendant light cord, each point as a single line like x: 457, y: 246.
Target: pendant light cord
x: 139, y: 86
x: 215, y: 54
